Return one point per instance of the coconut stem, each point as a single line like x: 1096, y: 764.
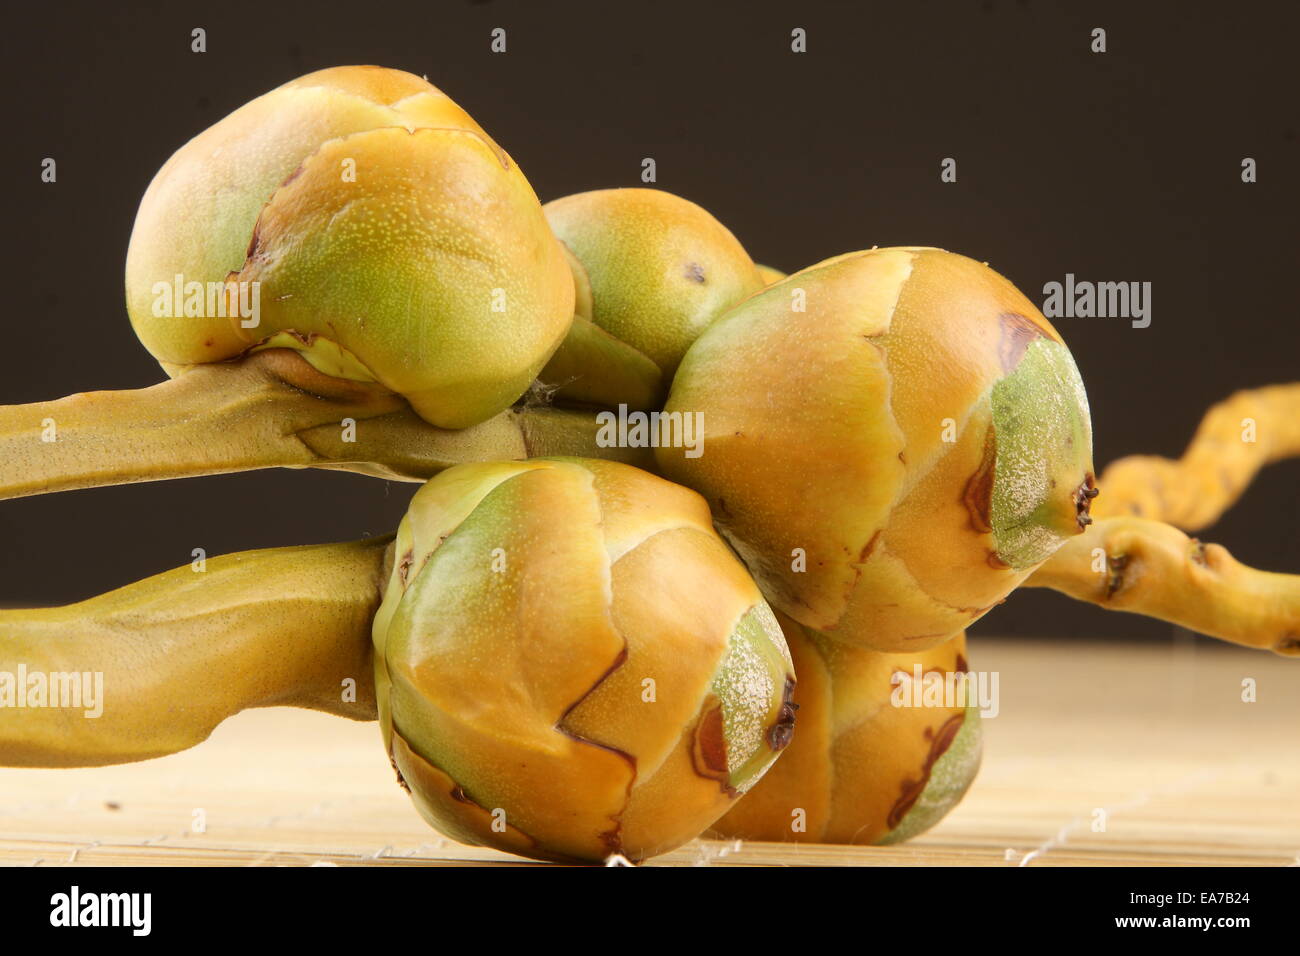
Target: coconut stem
x: 268, y: 410
x: 1151, y: 568
x: 166, y: 659
x: 1236, y: 438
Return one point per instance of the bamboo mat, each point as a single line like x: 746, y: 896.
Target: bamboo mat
x: 1157, y: 736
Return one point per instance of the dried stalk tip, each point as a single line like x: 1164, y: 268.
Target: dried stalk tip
x: 781, y: 733
x: 1083, y: 496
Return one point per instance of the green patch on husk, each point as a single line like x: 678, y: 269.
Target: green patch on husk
x: 1044, y: 448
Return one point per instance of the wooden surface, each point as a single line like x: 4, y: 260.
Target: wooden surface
x: 1158, y: 737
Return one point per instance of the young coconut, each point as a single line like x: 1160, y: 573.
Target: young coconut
x: 610, y: 689
x: 893, y: 441
x: 652, y: 271
x: 879, y: 756
x: 567, y: 661
x: 351, y: 245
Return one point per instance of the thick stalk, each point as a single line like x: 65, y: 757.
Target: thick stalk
x: 550, y: 431
x: 1151, y: 568
x: 1236, y: 438
x: 165, y: 660
x: 269, y: 410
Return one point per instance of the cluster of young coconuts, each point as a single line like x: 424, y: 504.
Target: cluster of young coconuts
x: 578, y: 650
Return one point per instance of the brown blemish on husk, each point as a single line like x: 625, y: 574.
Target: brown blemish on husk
x: 977, y: 496
x: 709, y: 745
x: 912, y: 789
x: 1115, y: 567
x: 1017, y: 333
x: 401, y: 781
x: 995, y: 561
x: 869, y: 547
x: 613, y: 837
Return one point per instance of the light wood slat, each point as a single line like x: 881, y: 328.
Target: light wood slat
x: 1159, y: 736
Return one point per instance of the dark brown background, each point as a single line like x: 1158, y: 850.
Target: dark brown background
x: 1121, y: 166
